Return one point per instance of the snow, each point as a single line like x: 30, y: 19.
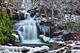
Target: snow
x: 75, y: 51
x: 15, y: 35
x: 60, y: 42
x: 16, y: 49
x: 55, y: 51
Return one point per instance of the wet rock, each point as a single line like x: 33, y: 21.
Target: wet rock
x: 44, y: 19
x: 57, y: 33
x: 25, y: 51
x: 67, y: 37
x: 33, y: 12
x: 10, y: 44
x: 8, y: 12
x: 17, y: 37
x: 14, y: 16
x: 46, y: 39
x: 38, y: 49
x: 51, y: 40
x: 77, y: 11
x: 58, y: 50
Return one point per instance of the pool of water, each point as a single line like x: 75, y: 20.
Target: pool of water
x: 33, y: 44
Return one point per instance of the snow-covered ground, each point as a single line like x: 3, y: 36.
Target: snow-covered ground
x: 16, y: 49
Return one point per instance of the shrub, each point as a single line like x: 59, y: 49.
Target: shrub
x: 6, y: 29
x: 72, y: 26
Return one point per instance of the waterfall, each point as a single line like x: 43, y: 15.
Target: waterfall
x: 27, y: 30
x: 44, y: 29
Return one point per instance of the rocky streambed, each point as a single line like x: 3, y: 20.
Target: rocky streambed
x: 70, y: 47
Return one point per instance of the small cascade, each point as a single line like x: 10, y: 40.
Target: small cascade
x: 44, y: 29
x: 27, y: 30
x: 19, y: 14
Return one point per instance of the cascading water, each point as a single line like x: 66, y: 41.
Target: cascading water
x: 27, y: 30
x: 45, y: 29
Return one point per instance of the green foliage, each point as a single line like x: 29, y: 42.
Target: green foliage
x: 6, y: 29
x: 71, y: 26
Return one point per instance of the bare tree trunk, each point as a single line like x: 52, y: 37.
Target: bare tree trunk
x: 52, y: 16
x: 71, y: 10
x: 52, y: 13
x: 7, y: 6
x: 17, y: 4
x: 2, y: 5
x: 45, y: 11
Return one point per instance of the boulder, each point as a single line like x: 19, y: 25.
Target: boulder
x: 17, y: 37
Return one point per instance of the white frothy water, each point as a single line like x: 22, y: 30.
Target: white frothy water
x: 27, y: 30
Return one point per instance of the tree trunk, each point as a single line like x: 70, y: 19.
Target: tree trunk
x: 7, y: 6
x: 2, y: 5
x: 52, y: 13
x: 45, y: 11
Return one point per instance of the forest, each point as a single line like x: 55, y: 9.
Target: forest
x: 39, y: 26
